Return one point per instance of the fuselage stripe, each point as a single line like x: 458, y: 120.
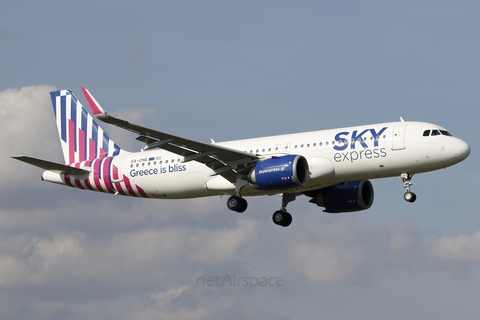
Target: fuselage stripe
x: 67, y: 180
x: 142, y: 193
x: 96, y: 175
x: 106, y: 174
x: 129, y: 186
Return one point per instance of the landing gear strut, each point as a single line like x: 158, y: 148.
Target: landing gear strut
x: 236, y: 202
x: 282, y: 217
x: 408, y: 196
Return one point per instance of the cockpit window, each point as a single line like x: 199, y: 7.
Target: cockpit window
x: 436, y: 132
x: 445, y: 133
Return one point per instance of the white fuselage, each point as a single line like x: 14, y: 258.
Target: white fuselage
x: 336, y: 155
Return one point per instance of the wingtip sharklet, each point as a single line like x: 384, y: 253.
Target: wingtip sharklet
x: 94, y: 105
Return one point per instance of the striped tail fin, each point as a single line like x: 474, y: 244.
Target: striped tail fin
x: 81, y: 136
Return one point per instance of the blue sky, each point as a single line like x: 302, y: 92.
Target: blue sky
x: 232, y: 70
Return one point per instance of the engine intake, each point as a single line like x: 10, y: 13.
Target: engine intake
x: 280, y: 172
x: 345, y: 197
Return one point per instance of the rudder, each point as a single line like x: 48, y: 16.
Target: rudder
x: 81, y: 136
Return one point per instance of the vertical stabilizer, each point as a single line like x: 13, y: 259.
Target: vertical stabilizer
x: 81, y: 136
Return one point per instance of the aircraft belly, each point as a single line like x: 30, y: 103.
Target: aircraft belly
x: 179, y: 185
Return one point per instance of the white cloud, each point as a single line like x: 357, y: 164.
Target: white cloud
x: 343, y: 251
x: 462, y: 248
x: 156, y: 252
x: 217, y: 246
x: 326, y: 253
x: 186, y: 302
x: 27, y: 127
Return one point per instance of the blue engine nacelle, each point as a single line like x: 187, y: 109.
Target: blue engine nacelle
x: 280, y: 172
x: 345, y: 197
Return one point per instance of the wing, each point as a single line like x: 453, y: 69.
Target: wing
x: 223, y: 161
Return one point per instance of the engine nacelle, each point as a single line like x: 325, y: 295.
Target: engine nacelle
x: 280, y: 172
x: 345, y: 197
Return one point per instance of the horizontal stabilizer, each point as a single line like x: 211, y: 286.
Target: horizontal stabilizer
x: 52, y: 166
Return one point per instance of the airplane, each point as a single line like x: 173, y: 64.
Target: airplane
x: 332, y: 167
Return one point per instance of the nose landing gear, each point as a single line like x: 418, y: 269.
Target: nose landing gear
x: 407, y: 182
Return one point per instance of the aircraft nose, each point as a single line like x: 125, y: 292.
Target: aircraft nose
x: 462, y: 149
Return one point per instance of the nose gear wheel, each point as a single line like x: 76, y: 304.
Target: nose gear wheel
x: 407, y: 183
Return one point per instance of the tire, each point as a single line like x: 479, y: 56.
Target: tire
x: 234, y: 203
x: 288, y: 220
x: 278, y: 217
x: 237, y: 204
x: 410, y: 196
x: 243, y: 205
x: 282, y: 218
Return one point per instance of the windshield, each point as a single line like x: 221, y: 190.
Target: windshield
x: 436, y: 132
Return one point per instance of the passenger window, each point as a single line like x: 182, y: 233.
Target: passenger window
x: 426, y: 133
x: 435, y: 133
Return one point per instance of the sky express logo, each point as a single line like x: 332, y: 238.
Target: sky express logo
x: 343, y: 141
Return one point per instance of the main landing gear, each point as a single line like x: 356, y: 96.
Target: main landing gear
x: 280, y: 217
x: 408, y: 196
x: 236, y: 203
